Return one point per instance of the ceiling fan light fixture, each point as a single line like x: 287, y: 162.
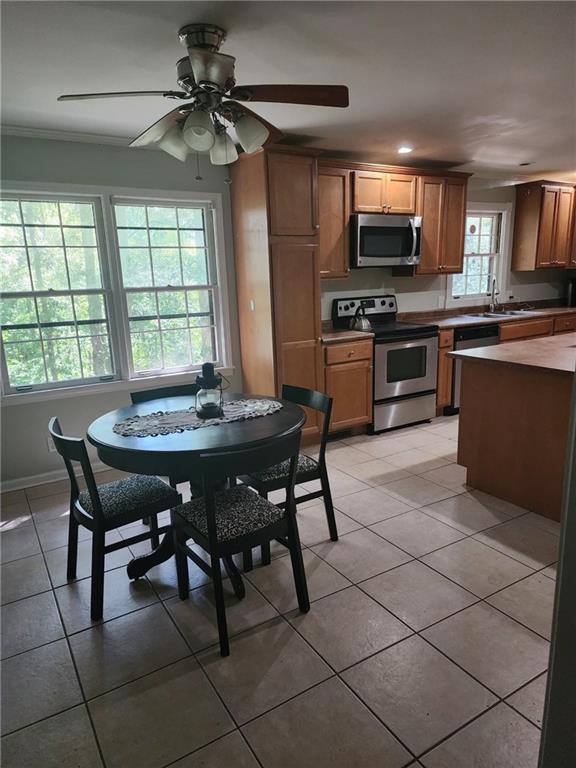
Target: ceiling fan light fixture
x: 251, y: 133
x: 404, y: 149
x: 224, y: 150
x: 173, y: 143
x: 198, y: 131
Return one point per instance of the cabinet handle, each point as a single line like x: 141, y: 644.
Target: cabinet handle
x: 316, y: 226
x: 350, y: 354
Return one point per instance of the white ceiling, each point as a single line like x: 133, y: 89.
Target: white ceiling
x: 483, y: 86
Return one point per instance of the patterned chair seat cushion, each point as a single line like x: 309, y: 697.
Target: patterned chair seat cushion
x: 132, y: 494
x: 279, y: 472
x: 239, y: 511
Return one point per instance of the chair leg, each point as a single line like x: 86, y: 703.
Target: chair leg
x: 220, y: 606
x: 181, y: 567
x: 298, y: 565
x: 247, y: 562
x: 72, y: 547
x: 146, y: 521
x: 328, y: 505
x: 154, y: 538
x: 265, y: 548
x: 97, y: 589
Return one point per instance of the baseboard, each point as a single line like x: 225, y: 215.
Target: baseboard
x: 46, y: 477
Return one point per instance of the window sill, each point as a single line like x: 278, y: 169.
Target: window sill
x: 122, y: 385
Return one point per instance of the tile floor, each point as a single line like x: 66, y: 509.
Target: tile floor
x: 426, y: 643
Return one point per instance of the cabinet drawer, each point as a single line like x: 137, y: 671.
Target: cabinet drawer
x: 345, y: 353
x: 563, y: 324
x: 445, y: 339
x: 527, y: 329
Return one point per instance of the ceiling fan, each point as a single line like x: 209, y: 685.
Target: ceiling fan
x: 208, y: 86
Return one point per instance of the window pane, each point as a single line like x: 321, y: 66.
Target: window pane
x: 194, y: 266
x: 90, y: 307
x: 167, y: 238
x: 176, y: 348
x: 191, y: 218
x: 84, y: 268
x: 132, y: 238
x: 474, y: 265
x: 130, y: 215
x: 141, y: 304
x: 470, y: 244
x: 48, y: 267
x: 161, y: 217
x: 17, y: 311
x: 40, y: 213
x: 25, y: 363
x: 14, y: 272
x: 136, y: 270
x: 172, y: 303
x: 146, y: 351
x: 473, y: 284
x: 55, y: 309
x: 10, y: 235
x: 96, y: 356
x: 166, y: 263
x: 9, y: 212
x: 43, y: 236
x: 191, y: 238
x: 485, y: 244
x: 203, y: 347
x: 77, y: 214
x: 62, y: 359
x: 79, y: 236
x: 473, y: 225
x: 486, y: 225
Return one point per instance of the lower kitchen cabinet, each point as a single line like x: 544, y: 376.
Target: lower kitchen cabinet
x: 526, y: 329
x: 565, y: 324
x: 350, y: 384
x: 445, y: 369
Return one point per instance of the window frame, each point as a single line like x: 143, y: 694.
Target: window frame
x: 502, y: 270
x: 124, y: 377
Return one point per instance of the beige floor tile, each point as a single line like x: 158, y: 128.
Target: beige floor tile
x: 120, y: 596
x: 550, y: 571
x: 451, y: 475
x: 416, y: 491
x: 496, y: 650
x: 498, y: 739
x: 31, y: 622
x: 420, y: 695
x: 276, y: 581
x: 62, y: 741
x: 54, y: 533
x: 493, y: 502
x: 159, y: 718
x: 529, y: 700
x: 230, y: 750
x: 15, y: 516
x: 56, y: 561
x: 530, y: 601
x: 465, y: 513
x: 476, y: 567
x: 313, y: 526
x: 51, y: 489
x: 343, y: 456
x: 377, y: 472
x: 523, y: 541
x: 23, y: 578
x: 347, y: 627
x: 51, y: 507
x: 417, y: 595
x: 341, y: 483
x: 416, y: 533
x: 18, y: 543
x: 371, y: 506
x: 380, y: 446
x: 424, y: 437
x: 123, y: 649
x: 361, y: 554
x: 416, y: 461
x: 8, y: 498
x: 165, y: 583
x: 447, y: 430
x: 267, y: 665
x: 326, y: 727
x: 442, y: 447
x: 542, y: 522
x: 196, y: 617
x: 38, y: 684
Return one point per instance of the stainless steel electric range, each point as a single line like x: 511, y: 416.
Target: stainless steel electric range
x: 405, y: 361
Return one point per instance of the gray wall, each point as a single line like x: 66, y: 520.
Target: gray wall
x: 24, y: 444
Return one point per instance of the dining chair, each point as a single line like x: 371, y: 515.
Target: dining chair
x: 103, y: 508
x: 227, y: 521
x: 309, y: 469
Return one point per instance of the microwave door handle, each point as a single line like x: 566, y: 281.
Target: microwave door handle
x: 414, y: 239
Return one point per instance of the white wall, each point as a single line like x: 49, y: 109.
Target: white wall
x: 416, y: 294
x: 24, y: 445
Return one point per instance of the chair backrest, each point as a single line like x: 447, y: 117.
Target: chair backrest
x: 318, y: 401
x: 143, y: 395
x: 214, y: 467
x: 73, y: 449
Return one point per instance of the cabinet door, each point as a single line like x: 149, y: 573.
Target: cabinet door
x: 293, y: 195
x: 400, y: 193
x: 563, y: 226
x: 454, y: 220
x: 333, y: 215
x: 350, y: 384
x: 430, y: 207
x: 369, y: 191
x: 545, y: 249
x: 444, y: 384
x: 296, y: 292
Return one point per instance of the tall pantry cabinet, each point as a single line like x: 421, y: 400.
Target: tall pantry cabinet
x: 275, y: 222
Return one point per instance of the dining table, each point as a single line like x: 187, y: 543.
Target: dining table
x: 177, y: 454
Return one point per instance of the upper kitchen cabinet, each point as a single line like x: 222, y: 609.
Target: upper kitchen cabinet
x: 543, y: 225
x: 442, y: 206
x: 378, y: 192
x: 292, y: 185
x: 333, y: 215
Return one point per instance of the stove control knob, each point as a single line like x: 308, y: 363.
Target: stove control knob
x: 346, y: 307
x: 383, y: 302
x: 391, y: 305
x: 352, y: 303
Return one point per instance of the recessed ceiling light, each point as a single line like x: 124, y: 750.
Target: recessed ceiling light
x: 405, y: 150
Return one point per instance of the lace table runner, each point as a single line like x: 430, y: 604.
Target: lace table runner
x: 169, y: 422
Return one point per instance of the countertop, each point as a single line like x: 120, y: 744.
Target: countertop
x: 463, y: 321
x: 552, y: 353
x: 332, y: 336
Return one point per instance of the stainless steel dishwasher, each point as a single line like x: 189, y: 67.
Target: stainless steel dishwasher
x: 469, y: 338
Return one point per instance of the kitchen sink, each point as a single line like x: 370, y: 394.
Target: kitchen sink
x: 507, y: 313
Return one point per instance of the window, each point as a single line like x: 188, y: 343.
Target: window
x: 84, y: 303
x: 482, y: 251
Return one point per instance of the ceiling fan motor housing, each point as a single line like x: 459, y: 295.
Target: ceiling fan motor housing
x: 205, y: 36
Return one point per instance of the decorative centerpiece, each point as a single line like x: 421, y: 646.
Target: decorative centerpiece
x: 209, y: 401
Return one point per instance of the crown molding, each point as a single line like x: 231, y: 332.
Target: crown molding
x: 55, y: 135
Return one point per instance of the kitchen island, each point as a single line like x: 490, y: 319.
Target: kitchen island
x: 514, y: 418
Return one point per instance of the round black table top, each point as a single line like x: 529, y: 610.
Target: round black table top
x: 175, y: 453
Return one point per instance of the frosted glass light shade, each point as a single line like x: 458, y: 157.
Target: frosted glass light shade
x: 223, y: 152
x: 198, y: 131
x: 173, y: 143
x: 251, y: 133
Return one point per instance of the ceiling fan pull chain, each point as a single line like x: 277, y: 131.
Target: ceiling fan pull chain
x: 198, y: 177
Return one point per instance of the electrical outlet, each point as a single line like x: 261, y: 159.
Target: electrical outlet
x: 50, y: 445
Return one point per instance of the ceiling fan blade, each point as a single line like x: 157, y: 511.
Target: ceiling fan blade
x: 120, y: 94
x: 274, y: 134
x: 317, y: 95
x: 159, y: 128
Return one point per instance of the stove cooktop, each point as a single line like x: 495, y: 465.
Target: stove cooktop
x: 381, y: 311
x: 391, y: 330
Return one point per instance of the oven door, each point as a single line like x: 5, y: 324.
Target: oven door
x: 384, y: 240
x: 405, y: 367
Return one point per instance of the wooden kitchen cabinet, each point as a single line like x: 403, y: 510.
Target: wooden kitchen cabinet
x: 378, y: 192
x: 565, y: 324
x: 542, y: 226
x: 526, y: 329
x: 445, y: 368
x: 292, y: 189
x: 349, y: 383
x: 333, y: 216
x: 442, y: 206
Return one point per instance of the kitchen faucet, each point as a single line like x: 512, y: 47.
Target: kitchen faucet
x: 494, y: 303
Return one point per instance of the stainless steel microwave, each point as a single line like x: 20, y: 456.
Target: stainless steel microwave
x: 384, y: 240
